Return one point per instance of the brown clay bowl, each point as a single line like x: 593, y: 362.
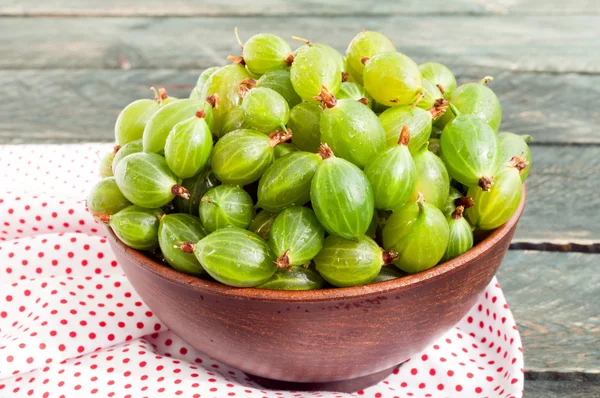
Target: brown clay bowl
x: 332, y: 339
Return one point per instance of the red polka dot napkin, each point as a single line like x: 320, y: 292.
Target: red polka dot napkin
x: 71, y: 325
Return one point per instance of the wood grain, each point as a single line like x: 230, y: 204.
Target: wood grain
x: 561, y: 389
x: 128, y: 8
x: 554, y: 298
x: 73, y: 106
x: 520, y: 43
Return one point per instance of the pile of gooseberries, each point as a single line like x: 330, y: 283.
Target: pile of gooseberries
x: 308, y: 169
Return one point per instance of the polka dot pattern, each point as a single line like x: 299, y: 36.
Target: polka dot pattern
x: 72, y: 325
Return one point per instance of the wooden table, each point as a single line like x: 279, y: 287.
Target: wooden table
x: 67, y: 67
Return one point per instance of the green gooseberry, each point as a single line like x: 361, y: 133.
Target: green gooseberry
x: 146, y: 180
x: 387, y: 273
x: 173, y: 230
x: 279, y: 80
x: 440, y: 76
x: 235, y: 257
x: 313, y: 69
x: 496, y: 206
x: 287, y: 181
x: 461, y: 234
x: 430, y: 95
x: 221, y: 89
x: 345, y: 263
x: 471, y: 151
x: 392, y: 175
x: 354, y: 91
x: 105, y: 197
x: 295, y: 237
x: 266, y: 52
x: 135, y: 226
x: 105, y: 164
x: 188, y: 146
x: 366, y: 44
x: 197, y: 187
x: 352, y: 131
x: 162, y: 122
x: 515, y: 145
x: 392, y: 79
x: 132, y: 120
x: 234, y: 120
x: 126, y: 150
x: 294, y: 278
x: 432, y: 179
x: 226, y: 206
x: 418, y: 121
x: 283, y: 149
x: 202, y: 79
x: 474, y: 99
x: 341, y: 196
x: 261, y: 223
x: 242, y: 156
x: 434, y: 146
x: 304, y: 121
x: 265, y: 110
x: 418, y: 232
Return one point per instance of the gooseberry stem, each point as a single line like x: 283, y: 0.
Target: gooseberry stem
x: 420, y: 96
x: 207, y: 199
x: 389, y: 257
x: 179, y: 190
x: 156, y: 96
x: 237, y: 37
x: 104, y: 218
x: 305, y: 41
x: 486, y: 80
x: 453, y: 109
x: 325, y: 152
x: 404, y: 136
x: 186, y: 247
x: 527, y: 138
x: 457, y: 214
x: 421, y: 202
x: 283, y: 261
x: 162, y: 94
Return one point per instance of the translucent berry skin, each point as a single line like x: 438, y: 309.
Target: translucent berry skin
x: 226, y: 206
x: 261, y: 223
x: 105, y: 169
x: 188, y: 147
x: 438, y: 73
x: 172, y: 231
x: 335, y: 54
x: 345, y: 263
x: 162, y: 122
x: 452, y: 196
x: 126, y: 150
x: 387, y: 273
x: 353, y: 132
x: 474, y: 99
x: 366, y: 44
x: 202, y: 79
x: 392, y: 175
x: 296, y: 234
x: 417, y: 120
x: 431, y: 94
x: 241, y: 157
x: 283, y: 149
x: 279, y: 80
x: 266, y: 52
x: 295, y: 278
x: 354, y: 91
x: 265, y: 110
x: 342, y: 198
x: 432, y: 179
x: 314, y: 68
x: 225, y: 83
x: 305, y: 119
x: 460, y: 239
x: 236, y: 257
x: 146, y: 180
x: 392, y: 79
x: 470, y: 149
x: 418, y: 234
x: 105, y: 197
x: 515, y: 145
x: 287, y: 181
x: 137, y: 227
x: 234, y: 120
x: 197, y: 187
x: 132, y: 120
x: 495, y: 207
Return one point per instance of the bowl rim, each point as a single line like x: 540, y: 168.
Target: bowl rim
x: 306, y: 296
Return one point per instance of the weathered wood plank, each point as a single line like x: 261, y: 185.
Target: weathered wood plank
x: 554, y: 298
x: 520, y: 43
x: 127, y: 8
x: 68, y: 103
x: 561, y: 389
